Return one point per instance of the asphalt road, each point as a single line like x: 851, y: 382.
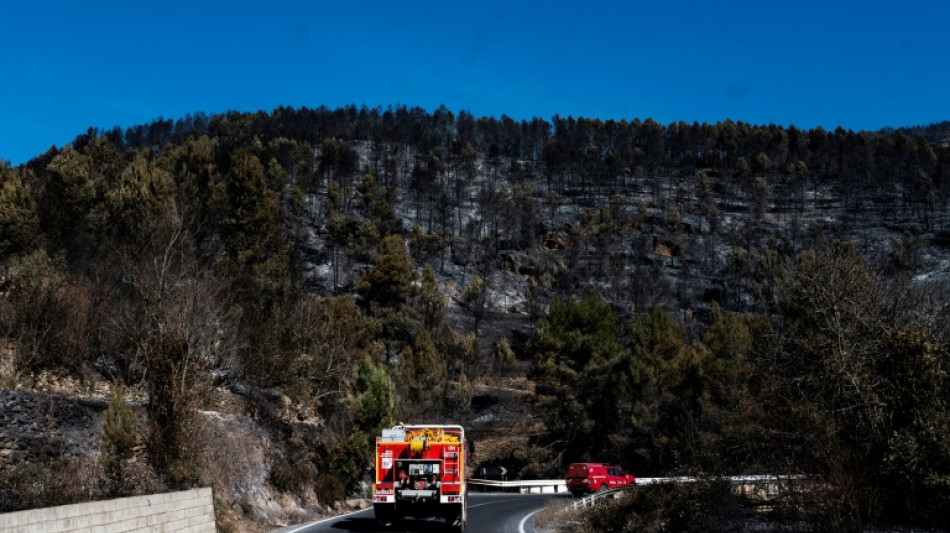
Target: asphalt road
x: 487, y: 513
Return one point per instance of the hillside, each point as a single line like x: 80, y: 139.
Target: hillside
x: 576, y: 289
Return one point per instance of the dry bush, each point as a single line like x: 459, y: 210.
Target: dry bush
x: 694, y: 507
x: 50, y: 315
x: 8, y: 373
x: 557, y: 516
x: 330, y: 488
x: 533, y: 462
x: 282, y: 475
x: 232, y: 454
x: 176, y: 386
x: 64, y: 481
x: 139, y: 478
x: 839, y: 502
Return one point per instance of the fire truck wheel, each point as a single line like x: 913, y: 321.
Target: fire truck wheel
x: 385, y: 515
x: 456, y: 521
x: 457, y: 525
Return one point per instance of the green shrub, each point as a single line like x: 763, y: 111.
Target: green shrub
x: 119, y: 433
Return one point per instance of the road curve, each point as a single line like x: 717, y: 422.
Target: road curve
x: 487, y: 513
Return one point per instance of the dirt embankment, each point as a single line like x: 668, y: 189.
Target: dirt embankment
x: 51, y: 453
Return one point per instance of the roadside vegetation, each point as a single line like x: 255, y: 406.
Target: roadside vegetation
x: 682, y: 299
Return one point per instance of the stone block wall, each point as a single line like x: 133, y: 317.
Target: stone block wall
x: 190, y: 511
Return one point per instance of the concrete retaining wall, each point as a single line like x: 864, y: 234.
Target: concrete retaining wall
x: 190, y: 511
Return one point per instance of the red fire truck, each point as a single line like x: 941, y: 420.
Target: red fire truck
x: 420, y: 472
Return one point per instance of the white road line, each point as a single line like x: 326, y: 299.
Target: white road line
x: 524, y: 520
x: 305, y: 526
x: 491, y: 503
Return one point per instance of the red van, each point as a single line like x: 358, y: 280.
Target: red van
x: 592, y: 477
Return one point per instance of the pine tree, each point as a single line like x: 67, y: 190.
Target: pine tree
x: 375, y: 204
x: 19, y: 216
x: 431, y: 301
x: 388, y: 283
x: 139, y: 202
x: 257, y: 258
x: 421, y: 380
x: 576, y: 348
x: 71, y: 191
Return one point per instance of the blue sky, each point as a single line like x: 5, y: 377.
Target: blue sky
x: 67, y: 66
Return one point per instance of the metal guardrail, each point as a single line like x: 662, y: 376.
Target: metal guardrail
x: 523, y: 486
x: 590, y: 499
x: 735, y: 480
x: 553, y: 486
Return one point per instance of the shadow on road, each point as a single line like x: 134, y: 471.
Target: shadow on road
x: 369, y: 525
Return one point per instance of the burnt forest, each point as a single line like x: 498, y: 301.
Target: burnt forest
x: 679, y: 299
